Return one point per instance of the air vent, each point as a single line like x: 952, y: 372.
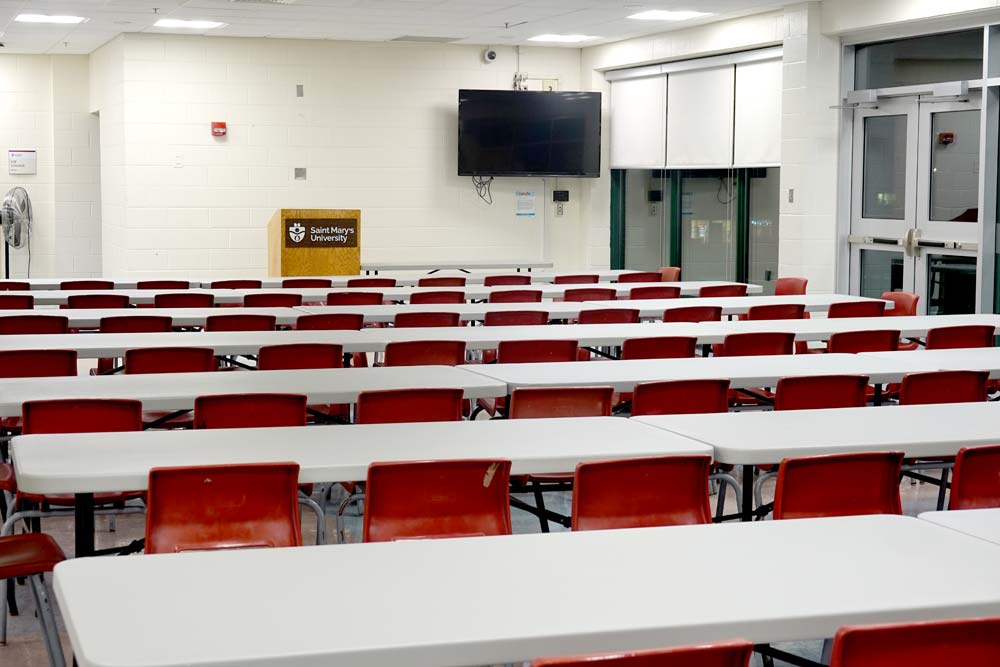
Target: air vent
x: 425, y: 38
x: 263, y: 2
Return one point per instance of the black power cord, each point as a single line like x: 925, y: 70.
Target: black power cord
x: 483, y: 188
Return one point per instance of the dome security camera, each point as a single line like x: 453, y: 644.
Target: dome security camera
x: 489, y: 56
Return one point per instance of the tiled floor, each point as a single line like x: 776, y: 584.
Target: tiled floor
x: 25, y: 647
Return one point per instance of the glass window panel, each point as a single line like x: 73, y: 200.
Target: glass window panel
x: 954, y: 56
x: 647, y: 215
x: 951, y: 285
x: 954, y: 194
x: 881, y: 271
x: 708, y: 226
x: 763, y: 234
x: 884, y: 178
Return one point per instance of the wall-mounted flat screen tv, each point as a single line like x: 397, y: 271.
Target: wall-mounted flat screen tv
x: 528, y: 133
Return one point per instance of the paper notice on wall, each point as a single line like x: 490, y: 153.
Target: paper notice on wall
x: 22, y: 162
x: 525, y: 204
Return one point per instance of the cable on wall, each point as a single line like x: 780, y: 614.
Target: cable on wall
x: 484, y: 188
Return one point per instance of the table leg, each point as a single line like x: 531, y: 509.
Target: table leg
x: 877, y: 398
x: 84, y: 520
x: 748, y: 480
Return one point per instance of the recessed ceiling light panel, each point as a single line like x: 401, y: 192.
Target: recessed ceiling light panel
x: 668, y: 15
x: 49, y: 18
x: 562, y: 39
x: 189, y: 25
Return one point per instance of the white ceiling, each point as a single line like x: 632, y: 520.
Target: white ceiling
x: 473, y: 21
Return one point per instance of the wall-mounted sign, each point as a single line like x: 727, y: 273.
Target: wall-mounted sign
x: 321, y: 233
x: 22, y: 162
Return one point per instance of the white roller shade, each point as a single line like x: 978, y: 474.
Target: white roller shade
x: 638, y: 122
x: 700, y: 118
x: 758, y: 114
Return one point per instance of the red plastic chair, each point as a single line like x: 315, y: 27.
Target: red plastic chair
x: 86, y: 285
x: 181, y: 300
x: 516, y: 296
x: 680, y: 397
x: 576, y: 279
x: 240, y: 322
x: 163, y: 284
x: 720, y: 654
x: 693, y: 314
x: 371, y: 282
x: 31, y: 555
x: 665, y: 292
x: 757, y: 343
x: 975, y: 483
x: 16, y: 302
x: 136, y: 324
x: 670, y: 274
x: 276, y: 300
x: 590, y: 294
x: 297, y: 356
x: 242, y: 506
x: 777, y: 311
x: 542, y: 402
x: 354, y: 298
x: 236, y: 284
x: 943, y: 387
x: 444, y: 281
x: 515, y: 318
x: 410, y: 320
x: 609, y: 316
x: 723, y: 290
x: 947, y: 338
x: 962, y: 643
x: 856, y: 309
x: 437, y: 297
x: 790, y: 286
x: 425, y: 353
x: 640, y: 277
x: 853, y: 342
x: 437, y: 499
x: 14, y: 286
x: 169, y: 360
x: 660, y: 347
x: 33, y: 324
x: 331, y: 322
x: 868, y: 483
x: 903, y: 303
x: 37, y: 363
x: 249, y: 410
x: 640, y: 493
x: 536, y: 351
x: 821, y: 392
x: 396, y: 406
x: 97, y: 301
x: 307, y: 283
x: 496, y: 281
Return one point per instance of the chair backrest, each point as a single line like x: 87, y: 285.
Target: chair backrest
x: 169, y: 360
x: 437, y: 297
x: 609, y: 316
x: 182, y: 300
x: 331, y: 322
x: 295, y: 356
x: 34, y: 324
x: 371, y: 282
x: 866, y: 483
x: 820, y: 392
x: 163, y: 284
x: 16, y: 302
x: 790, y: 286
x: 680, y: 397
x: 966, y: 642
x: 516, y: 296
x: 236, y: 284
x: 541, y: 402
x: 81, y: 415
x: 639, y: 493
x: 723, y: 290
x: 136, y: 324
x: 249, y: 505
x: 975, y: 482
x: 436, y: 499
x: 853, y: 342
x: 307, y: 282
x: 409, y: 320
x: 640, y: 277
x: 856, y: 309
x: 758, y: 343
x: 576, y: 279
x: 86, y: 284
x: 670, y: 274
x: 513, y: 318
x: 660, y: 347
x: 903, y: 303
x: 14, y: 286
x: 241, y: 322
x: 97, y: 301
x: 516, y: 279
x: 249, y: 410
x: 275, y: 300
x: 354, y: 298
x: 396, y: 406
x: 720, y: 654
x: 425, y: 353
x: 590, y: 294
x: 37, y: 363
x: 943, y: 387
x: 972, y: 335
x: 443, y: 281
x: 777, y: 311
x: 664, y: 292
x: 693, y: 314
x: 536, y: 351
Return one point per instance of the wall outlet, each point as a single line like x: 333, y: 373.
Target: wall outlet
x: 653, y: 209
x: 560, y: 209
x: 550, y: 84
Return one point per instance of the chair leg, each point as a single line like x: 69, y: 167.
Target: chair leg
x: 540, y: 504
x: 6, y: 588
x: 943, y: 489
x: 320, y: 518
x: 47, y: 620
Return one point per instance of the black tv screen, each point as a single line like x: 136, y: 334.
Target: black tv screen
x: 527, y: 133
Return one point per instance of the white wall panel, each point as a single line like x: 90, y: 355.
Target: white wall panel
x: 758, y: 114
x: 700, y: 118
x: 638, y: 122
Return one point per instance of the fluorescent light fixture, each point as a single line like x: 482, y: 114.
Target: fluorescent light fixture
x: 191, y: 25
x: 563, y: 39
x: 46, y: 18
x: 668, y: 15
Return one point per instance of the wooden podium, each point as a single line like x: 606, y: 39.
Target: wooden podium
x: 314, y: 242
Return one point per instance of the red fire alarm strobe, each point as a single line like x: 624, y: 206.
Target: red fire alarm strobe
x: 218, y: 129
x: 946, y: 138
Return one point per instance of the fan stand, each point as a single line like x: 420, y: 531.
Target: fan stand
x: 6, y: 260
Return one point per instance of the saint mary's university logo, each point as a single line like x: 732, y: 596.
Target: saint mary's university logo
x: 296, y: 233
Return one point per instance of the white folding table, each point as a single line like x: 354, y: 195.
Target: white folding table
x: 557, y: 310
x: 119, y: 283
x: 433, y: 267
x: 442, y: 603
x: 90, y: 318
x: 136, y: 296
x: 970, y: 359
x: 984, y: 523
x: 821, y: 328
x: 739, y: 305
